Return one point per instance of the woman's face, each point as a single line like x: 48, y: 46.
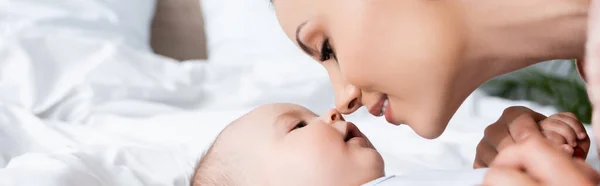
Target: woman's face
x: 404, y: 53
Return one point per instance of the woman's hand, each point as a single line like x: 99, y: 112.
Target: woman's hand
x: 563, y: 130
x: 536, y: 162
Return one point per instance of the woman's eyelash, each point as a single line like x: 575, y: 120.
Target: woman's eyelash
x: 300, y: 124
x: 327, y: 51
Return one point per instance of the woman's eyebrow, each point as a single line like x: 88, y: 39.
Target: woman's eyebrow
x: 302, y: 45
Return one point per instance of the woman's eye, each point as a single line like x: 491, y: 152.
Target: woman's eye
x: 327, y: 51
x: 299, y: 125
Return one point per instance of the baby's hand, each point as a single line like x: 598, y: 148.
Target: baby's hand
x: 564, y: 130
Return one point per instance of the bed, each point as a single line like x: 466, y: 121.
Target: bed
x: 111, y: 92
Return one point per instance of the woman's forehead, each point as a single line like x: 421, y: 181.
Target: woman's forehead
x: 292, y: 13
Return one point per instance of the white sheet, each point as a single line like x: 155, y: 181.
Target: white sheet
x: 81, y: 108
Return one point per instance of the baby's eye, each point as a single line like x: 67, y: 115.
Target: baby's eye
x: 300, y: 124
x: 327, y: 51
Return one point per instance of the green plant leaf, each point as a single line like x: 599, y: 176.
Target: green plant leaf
x: 566, y: 93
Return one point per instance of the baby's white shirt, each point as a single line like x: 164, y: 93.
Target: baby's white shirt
x: 433, y: 178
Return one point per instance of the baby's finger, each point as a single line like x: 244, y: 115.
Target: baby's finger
x: 555, y: 138
x: 558, y: 141
x: 560, y: 127
x: 568, y: 114
x: 583, y: 144
x: 571, y: 120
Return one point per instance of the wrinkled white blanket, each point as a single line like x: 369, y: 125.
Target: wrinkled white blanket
x: 92, y: 105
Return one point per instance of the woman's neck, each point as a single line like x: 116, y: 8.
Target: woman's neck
x: 508, y: 35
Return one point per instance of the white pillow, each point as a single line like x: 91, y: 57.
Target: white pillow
x: 242, y: 31
x: 128, y: 21
x: 49, y: 48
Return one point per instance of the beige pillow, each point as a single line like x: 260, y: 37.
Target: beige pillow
x: 178, y: 30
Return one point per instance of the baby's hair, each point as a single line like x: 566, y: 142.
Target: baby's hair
x: 219, y: 166
x: 209, y: 171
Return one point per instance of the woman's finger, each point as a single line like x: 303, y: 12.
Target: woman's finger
x: 485, y: 155
x: 497, y: 136
x: 479, y: 164
x: 523, y: 125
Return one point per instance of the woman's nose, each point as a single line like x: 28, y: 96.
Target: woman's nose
x: 348, y: 99
x: 332, y: 116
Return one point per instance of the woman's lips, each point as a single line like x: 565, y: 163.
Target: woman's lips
x: 379, y: 108
x: 383, y: 108
x: 388, y: 113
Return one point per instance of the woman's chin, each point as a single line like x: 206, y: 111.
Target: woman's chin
x: 581, y: 69
x: 428, y: 128
x: 427, y: 118
x: 431, y: 134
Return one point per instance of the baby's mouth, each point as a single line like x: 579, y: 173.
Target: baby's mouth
x: 353, y: 135
x: 348, y: 136
x: 351, y: 132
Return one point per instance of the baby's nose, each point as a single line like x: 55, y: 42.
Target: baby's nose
x: 332, y: 116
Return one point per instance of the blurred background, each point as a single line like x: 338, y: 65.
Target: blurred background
x: 554, y: 83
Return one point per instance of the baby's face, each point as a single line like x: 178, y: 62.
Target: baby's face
x: 405, y: 53
x: 294, y: 146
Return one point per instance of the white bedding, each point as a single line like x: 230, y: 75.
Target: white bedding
x: 83, y: 101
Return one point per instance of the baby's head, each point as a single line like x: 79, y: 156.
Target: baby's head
x: 286, y: 144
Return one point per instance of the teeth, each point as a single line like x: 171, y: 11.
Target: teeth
x: 385, y: 103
